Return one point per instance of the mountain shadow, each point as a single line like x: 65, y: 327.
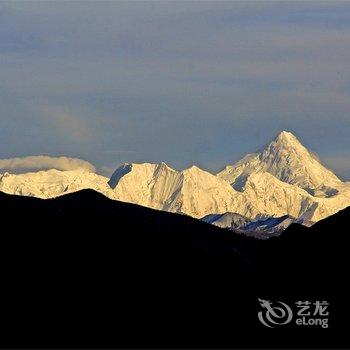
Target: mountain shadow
x: 85, y: 271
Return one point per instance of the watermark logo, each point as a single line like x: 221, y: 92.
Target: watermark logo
x: 274, y: 314
x: 302, y: 313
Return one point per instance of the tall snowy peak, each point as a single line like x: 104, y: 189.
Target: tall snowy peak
x: 289, y: 161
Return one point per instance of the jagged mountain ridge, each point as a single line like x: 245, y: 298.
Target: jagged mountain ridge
x: 282, y: 179
x: 192, y: 191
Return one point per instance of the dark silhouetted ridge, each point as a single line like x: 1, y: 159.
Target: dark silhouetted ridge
x: 85, y: 271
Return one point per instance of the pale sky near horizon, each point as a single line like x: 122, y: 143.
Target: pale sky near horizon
x: 182, y: 82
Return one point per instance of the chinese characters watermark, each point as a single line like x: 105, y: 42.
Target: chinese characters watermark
x: 301, y: 313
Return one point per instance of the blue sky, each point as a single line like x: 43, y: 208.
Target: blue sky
x: 181, y: 82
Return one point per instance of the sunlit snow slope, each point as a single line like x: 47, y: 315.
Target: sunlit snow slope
x: 284, y: 178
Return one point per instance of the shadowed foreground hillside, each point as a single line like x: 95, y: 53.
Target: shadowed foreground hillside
x: 84, y: 271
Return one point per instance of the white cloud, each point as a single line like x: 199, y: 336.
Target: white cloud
x: 45, y: 162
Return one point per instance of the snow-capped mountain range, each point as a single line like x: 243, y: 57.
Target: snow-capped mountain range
x: 284, y: 178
